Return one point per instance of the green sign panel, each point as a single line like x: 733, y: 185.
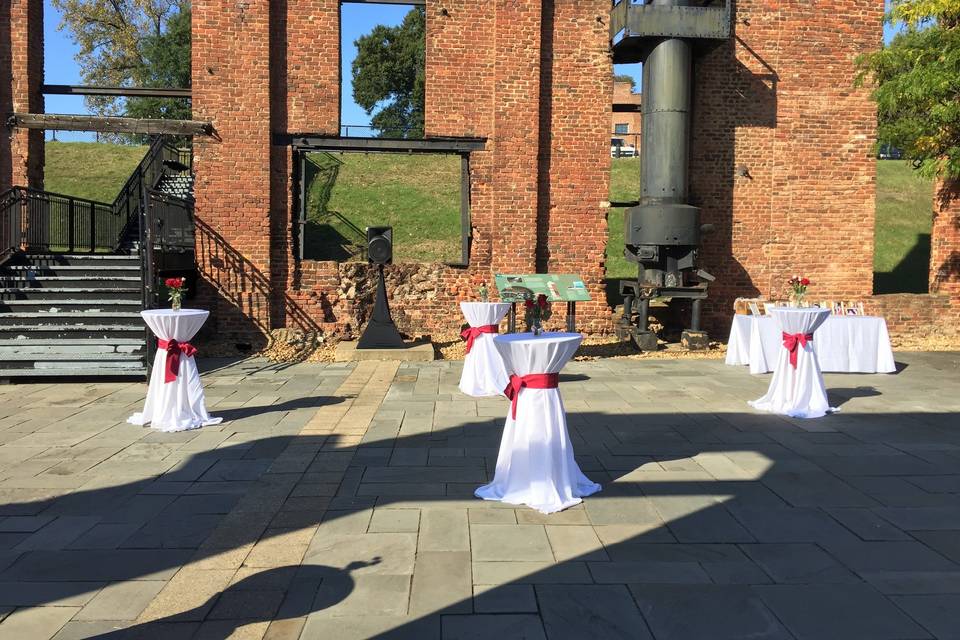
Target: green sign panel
x: 557, y: 287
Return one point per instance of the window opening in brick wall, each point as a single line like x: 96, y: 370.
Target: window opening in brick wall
x: 423, y: 196
x: 901, y: 258
x: 383, y: 69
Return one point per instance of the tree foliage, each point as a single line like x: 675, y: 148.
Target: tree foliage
x: 622, y: 77
x: 389, y: 76
x: 916, y: 80
x: 166, y: 63
x: 112, y: 36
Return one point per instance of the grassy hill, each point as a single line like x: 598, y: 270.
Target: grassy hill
x: 420, y: 196
x: 89, y: 169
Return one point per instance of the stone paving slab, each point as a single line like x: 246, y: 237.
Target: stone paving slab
x: 335, y: 501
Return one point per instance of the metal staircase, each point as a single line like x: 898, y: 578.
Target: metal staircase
x: 73, y: 272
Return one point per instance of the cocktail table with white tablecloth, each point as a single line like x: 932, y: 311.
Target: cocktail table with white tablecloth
x: 797, y: 388
x: 844, y: 344
x: 175, y: 396
x: 535, y: 465
x: 483, y: 371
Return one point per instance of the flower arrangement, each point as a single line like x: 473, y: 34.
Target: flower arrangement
x: 798, y: 288
x: 175, y: 291
x: 537, y: 311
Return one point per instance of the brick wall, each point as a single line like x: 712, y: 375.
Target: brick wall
x: 21, y: 77
x: 945, y: 250
x: 231, y: 88
x: 781, y: 153
x: 623, y: 94
x: 779, y: 103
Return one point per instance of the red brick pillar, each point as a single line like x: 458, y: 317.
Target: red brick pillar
x: 576, y: 91
x: 231, y: 88
x: 21, y: 79
x: 516, y: 113
x: 945, y: 241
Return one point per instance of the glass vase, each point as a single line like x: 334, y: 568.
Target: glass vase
x: 175, y: 303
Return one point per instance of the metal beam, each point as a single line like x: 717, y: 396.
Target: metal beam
x: 383, y: 145
x: 108, y: 124
x: 126, y: 92
x: 627, y: 107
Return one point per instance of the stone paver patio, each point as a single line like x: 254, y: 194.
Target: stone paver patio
x: 335, y: 502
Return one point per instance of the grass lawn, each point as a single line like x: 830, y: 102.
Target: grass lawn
x: 901, y: 258
x: 89, y: 170
x: 419, y: 195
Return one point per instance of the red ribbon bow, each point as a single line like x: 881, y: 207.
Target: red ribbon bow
x: 472, y: 333
x: 793, y: 341
x: 174, y: 349
x: 532, y: 381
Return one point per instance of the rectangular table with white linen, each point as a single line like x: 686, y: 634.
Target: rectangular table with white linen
x: 844, y: 344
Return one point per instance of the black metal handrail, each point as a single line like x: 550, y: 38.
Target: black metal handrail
x: 36, y: 220
x: 166, y: 227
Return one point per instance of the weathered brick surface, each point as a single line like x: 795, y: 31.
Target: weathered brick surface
x: 21, y: 77
x: 781, y: 154
x: 231, y: 88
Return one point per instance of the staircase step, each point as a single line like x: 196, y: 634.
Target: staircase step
x: 59, y: 355
x: 88, y: 370
x: 71, y: 345
x: 33, y: 332
x: 61, y: 293
x: 68, y: 305
x: 29, y: 272
x: 68, y: 258
x: 86, y: 282
x: 78, y: 317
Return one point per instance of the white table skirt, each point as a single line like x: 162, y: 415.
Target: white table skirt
x: 797, y: 391
x: 535, y: 465
x: 177, y: 405
x: 483, y: 371
x: 844, y: 344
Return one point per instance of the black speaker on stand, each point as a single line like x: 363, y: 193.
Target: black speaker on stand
x: 381, y: 332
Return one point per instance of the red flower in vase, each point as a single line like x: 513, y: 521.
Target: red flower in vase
x: 174, y: 283
x: 805, y: 281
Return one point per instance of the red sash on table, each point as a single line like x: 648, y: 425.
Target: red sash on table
x: 472, y: 333
x: 532, y: 381
x: 174, y: 349
x: 793, y: 342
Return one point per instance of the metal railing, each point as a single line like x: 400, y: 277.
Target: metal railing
x: 55, y: 223
x: 166, y: 228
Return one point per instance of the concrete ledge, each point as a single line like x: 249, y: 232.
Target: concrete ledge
x: 412, y: 352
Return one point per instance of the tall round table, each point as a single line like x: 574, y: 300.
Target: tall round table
x: 797, y: 388
x: 175, y: 396
x: 483, y: 371
x: 535, y: 465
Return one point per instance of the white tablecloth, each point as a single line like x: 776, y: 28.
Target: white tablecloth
x: 844, y: 344
x: 535, y: 465
x: 176, y: 405
x: 798, y: 391
x: 483, y: 370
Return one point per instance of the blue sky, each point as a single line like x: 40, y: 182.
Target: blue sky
x: 357, y: 19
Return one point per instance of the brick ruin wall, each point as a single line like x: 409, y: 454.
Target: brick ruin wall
x: 782, y: 162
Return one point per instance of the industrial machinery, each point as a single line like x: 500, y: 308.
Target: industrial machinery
x: 663, y: 231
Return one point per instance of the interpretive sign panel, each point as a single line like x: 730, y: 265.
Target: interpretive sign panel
x: 557, y: 287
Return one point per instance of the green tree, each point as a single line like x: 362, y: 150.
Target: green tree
x: 110, y: 35
x: 389, y: 76
x: 916, y: 80
x: 165, y: 63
